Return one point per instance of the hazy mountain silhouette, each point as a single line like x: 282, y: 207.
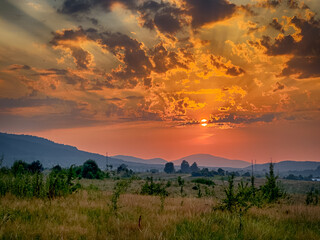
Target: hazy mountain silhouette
x: 30, y: 148
x: 212, y: 161
x: 287, y: 166
x: 141, y: 160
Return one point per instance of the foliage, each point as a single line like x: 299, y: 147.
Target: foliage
x: 194, y: 168
x: 26, y: 184
x: 312, y: 197
x: 238, y: 201
x: 91, y: 170
x: 271, y: 190
x: 204, y: 181
x: 120, y: 188
x: 152, y: 188
x: 35, y: 167
x: 124, y: 171
x: 181, y: 185
x: 21, y: 167
x: 169, y: 168
x: 204, y: 172
x: 221, y: 172
x: 185, y: 168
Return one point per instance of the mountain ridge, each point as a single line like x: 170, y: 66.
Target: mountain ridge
x: 209, y: 160
x: 31, y: 148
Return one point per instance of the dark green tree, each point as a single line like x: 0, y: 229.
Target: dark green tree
x: 56, y: 168
x: 185, y: 167
x: 35, y: 167
x: 90, y: 170
x: 169, y: 168
x: 122, y: 168
x: 194, y: 167
x: 19, y: 167
x: 221, y: 172
x: 271, y: 190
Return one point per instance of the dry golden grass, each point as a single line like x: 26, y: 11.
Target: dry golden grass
x: 87, y: 214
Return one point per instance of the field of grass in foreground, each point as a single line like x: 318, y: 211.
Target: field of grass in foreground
x: 87, y: 214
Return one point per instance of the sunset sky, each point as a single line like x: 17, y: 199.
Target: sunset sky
x: 136, y: 77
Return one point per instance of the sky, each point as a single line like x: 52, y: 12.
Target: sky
x: 233, y: 78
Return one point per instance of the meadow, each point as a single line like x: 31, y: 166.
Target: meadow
x: 113, y: 208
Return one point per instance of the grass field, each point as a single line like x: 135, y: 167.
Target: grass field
x: 87, y: 214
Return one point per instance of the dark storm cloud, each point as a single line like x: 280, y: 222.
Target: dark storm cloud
x: 134, y: 97
x: 234, y: 71
x: 128, y: 50
x: 306, y: 59
x: 279, y: 86
x: 208, y: 11
x: 305, y: 67
x: 63, y: 74
x: 230, y: 70
x: 164, y: 16
x: 137, y: 63
x: 82, y: 58
x: 52, y: 71
x: 15, y: 67
x: 271, y: 3
x: 166, y: 21
x: 293, y: 4
x: 164, y: 59
x: 80, y: 6
x: 237, y: 119
x: 276, y: 25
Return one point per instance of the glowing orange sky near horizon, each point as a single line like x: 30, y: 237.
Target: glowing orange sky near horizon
x: 232, y: 78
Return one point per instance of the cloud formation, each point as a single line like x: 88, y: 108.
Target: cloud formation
x: 304, y: 46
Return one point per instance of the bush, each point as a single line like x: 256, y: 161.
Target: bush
x: 24, y: 184
x: 204, y: 181
x: 91, y: 170
x: 152, y: 188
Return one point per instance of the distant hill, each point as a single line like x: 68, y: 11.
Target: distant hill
x: 209, y: 160
x: 141, y: 160
x: 287, y: 166
x: 30, y: 148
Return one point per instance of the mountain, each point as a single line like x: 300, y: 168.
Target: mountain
x: 287, y: 166
x: 31, y: 148
x: 209, y: 160
x: 141, y: 160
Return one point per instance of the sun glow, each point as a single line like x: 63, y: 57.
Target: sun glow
x: 204, y: 122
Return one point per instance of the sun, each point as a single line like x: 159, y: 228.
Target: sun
x: 204, y: 122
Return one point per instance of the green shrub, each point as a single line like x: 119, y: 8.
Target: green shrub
x: 204, y: 181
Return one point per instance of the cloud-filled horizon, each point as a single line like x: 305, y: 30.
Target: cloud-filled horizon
x: 136, y: 77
